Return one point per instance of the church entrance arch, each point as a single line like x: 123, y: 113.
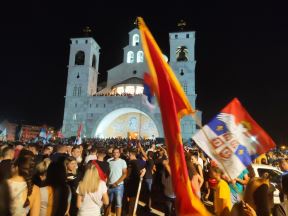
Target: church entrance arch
x: 127, y: 122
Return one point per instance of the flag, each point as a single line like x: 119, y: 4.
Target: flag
x: 148, y: 93
x: 18, y: 132
x: 233, y: 139
x: 43, y: 133
x: 78, y: 139
x: 60, y: 135
x: 3, y: 135
x: 173, y: 104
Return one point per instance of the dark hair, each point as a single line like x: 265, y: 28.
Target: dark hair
x: 133, y: 151
x: 25, y: 163
x: 5, y: 199
x: 116, y: 148
x: 261, y: 200
x: 56, y: 178
x: 75, y: 147
x: 191, y: 169
x: 5, y: 169
x: 101, y: 151
x: 150, y: 154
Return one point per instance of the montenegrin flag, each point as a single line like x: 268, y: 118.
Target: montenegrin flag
x: 173, y: 104
x: 233, y: 139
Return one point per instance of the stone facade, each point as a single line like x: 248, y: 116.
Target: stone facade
x: 121, y: 102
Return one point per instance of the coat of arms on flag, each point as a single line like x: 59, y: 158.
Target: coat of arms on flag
x: 233, y: 139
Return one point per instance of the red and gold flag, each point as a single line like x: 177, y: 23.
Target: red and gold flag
x: 173, y: 104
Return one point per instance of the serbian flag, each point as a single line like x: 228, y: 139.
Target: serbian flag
x: 173, y: 104
x: 233, y: 139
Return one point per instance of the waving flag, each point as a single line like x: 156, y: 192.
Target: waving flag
x: 59, y: 134
x: 78, y: 139
x: 43, y: 133
x: 173, y: 104
x: 3, y: 135
x: 148, y: 94
x: 233, y: 139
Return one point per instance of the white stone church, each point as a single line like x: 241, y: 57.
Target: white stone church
x: 117, y: 110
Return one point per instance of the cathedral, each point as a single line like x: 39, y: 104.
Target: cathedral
x: 118, y: 109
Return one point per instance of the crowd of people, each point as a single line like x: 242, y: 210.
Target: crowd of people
x: 118, y: 94
x: 101, y: 176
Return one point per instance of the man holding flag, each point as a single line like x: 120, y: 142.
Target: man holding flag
x: 174, y: 105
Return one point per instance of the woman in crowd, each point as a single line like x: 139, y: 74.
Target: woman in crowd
x: 72, y: 177
x: 56, y: 196
x: 195, y: 178
x: 25, y: 196
x: 41, y: 172
x: 92, y: 193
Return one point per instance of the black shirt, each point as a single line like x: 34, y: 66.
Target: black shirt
x: 149, y: 168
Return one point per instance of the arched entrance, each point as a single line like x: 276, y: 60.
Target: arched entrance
x: 125, y: 122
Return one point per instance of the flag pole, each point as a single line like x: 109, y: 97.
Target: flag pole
x: 137, y: 197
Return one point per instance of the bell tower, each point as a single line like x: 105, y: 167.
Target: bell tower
x: 81, y: 81
x: 182, y: 61
x: 83, y: 66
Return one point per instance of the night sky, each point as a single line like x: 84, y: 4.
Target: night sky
x: 240, y: 52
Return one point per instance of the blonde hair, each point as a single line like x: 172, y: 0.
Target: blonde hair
x: 42, y: 167
x: 90, y: 182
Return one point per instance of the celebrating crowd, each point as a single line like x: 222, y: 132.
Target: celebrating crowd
x: 101, y: 176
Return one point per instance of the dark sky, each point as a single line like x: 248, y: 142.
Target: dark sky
x: 240, y: 52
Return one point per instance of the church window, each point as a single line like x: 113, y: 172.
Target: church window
x: 75, y: 91
x: 80, y: 58
x: 104, y: 105
x: 134, y: 72
x: 76, y: 41
x: 182, y: 53
x: 90, y: 105
x: 185, y: 87
x: 86, y: 41
x: 176, y: 36
x: 140, y: 56
x: 78, y: 76
x: 187, y: 35
x: 96, y: 105
x: 94, y: 61
x: 75, y: 104
x: 74, y: 117
x: 130, y: 57
x: 79, y: 91
x: 135, y: 41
